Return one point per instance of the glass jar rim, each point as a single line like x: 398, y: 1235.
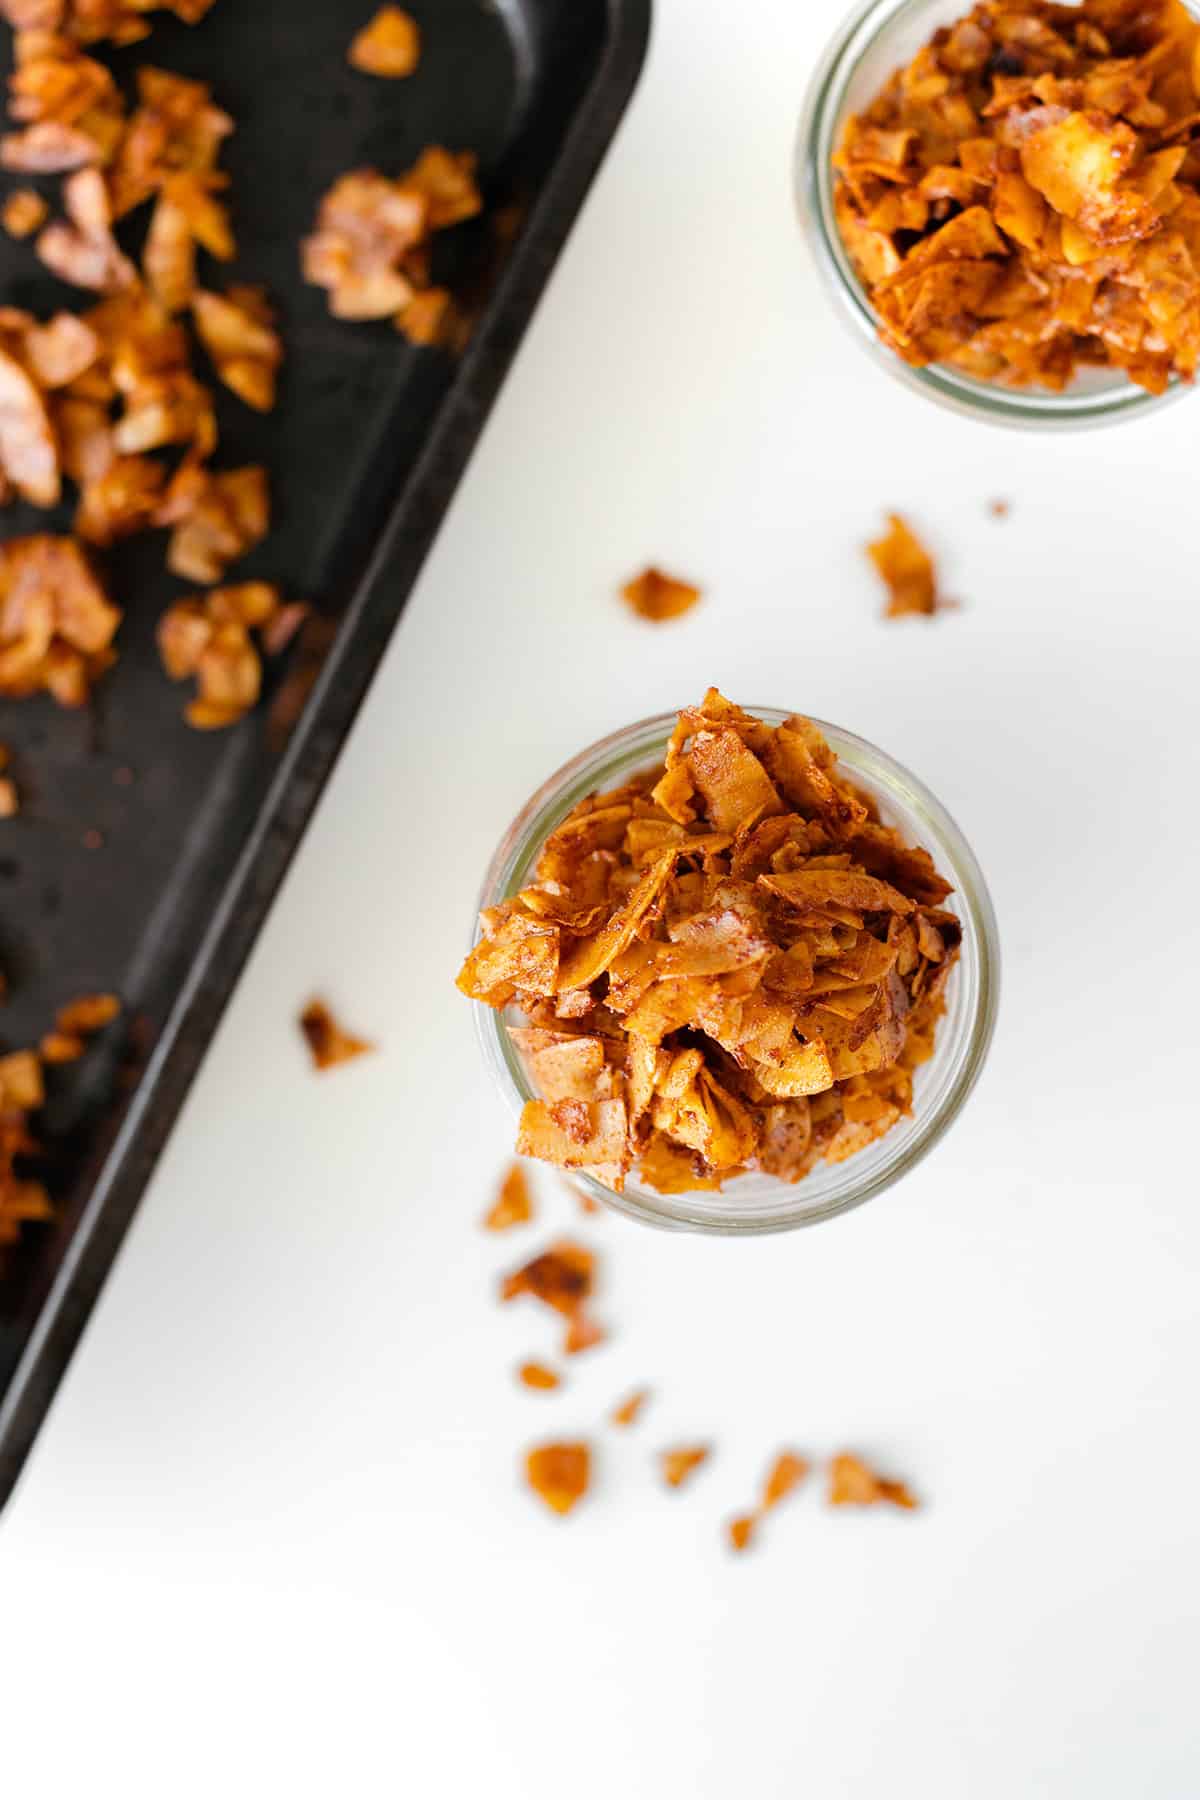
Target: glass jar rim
x: 1074, y: 409
x: 728, y: 1213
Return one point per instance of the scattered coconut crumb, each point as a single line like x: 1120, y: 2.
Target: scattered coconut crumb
x: 787, y: 1472
x: 680, y: 1464
x: 657, y: 597
x: 326, y: 1039
x: 513, y: 1204
x: 559, y: 1474
x: 741, y: 1530
x: 852, y: 1483
x: 390, y: 45
x: 537, y: 1375
x: 24, y: 213
x: 629, y: 1410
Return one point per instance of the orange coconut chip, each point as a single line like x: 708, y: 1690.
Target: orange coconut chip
x: 167, y: 149
x: 328, y: 1042
x: 81, y: 248
x: 216, y: 518
x: 370, y: 249
x: 852, y: 1483
x: 629, y: 1409
x: 1023, y: 199
x: 67, y: 104
x: 727, y: 963
x: 583, y: 1333
x: 513, y: 1205
x: 390, y: 45
x: 559, y: 1474
x: 89, y: 398
x: 174, y: 135
x: 429, y: 317
x: 76, y: 1022
x: 785, y: 1474
x: 89, y: 21
x: 56, y: 623
x: 678, y: 1465
x: 906, y: 569
x: 562, y: 1278
x: 741, y: 1530
x: 237, y: 330
x: 24, y: 1200
x: 537, y: 1375
x: 23, y: 212
x: 655, y: 596
x: 210, y: 636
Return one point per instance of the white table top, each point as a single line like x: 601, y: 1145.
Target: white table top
x: 271, y: 1541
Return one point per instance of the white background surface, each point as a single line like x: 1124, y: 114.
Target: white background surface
x: 272, y: 1541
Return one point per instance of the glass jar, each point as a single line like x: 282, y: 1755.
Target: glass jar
x: 756, y: 1202
x: 878, y: 37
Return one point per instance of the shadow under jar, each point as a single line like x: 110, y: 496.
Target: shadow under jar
x: 877, y: 38
x: 754, y: 1202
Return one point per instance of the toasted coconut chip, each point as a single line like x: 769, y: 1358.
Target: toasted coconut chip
x: 734, y: 786
x: 513, y: 1204
x: 583, y: 1333
x: 447, y: 180
x: 370, y: 246
x: 329, y: 1044
x: 741, y: 1531
x: 562, y: 1065
x: 428, y: 317
x: 1014, y: 153
x: 121, y: 501
x: 628, y: 1411
x: 89, y: 21
x: 175, y: 131
x: 907, y: 570
x: 653, y: 595
x: 28, y: 450
x: 209, y: 636
x: 220, y: 518
x: 21, y: 1085
x: 169, y: 256
x: 559, y: 1474
x: 562, y: 1277
x: 679, y: 1464
x: 24, y: 211
x: 519, y: 951
x: 390, y: 45
x: 88, y: 1014
x: 84, y: 251
x: 60, y: 351
x: 56, y: 624
x: 236, y: 330
x: 852, y: 1483
x: 537, y: 1375
x: 702, y: 1002
x: 786, y: 1473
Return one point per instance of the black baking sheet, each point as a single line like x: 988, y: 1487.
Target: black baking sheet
x: 146, y: 855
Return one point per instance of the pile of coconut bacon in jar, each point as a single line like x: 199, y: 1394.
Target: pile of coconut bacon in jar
x: 728, y: 963
x: 1023, y: 200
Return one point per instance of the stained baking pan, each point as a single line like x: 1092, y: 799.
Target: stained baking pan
x: 146, y: 855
